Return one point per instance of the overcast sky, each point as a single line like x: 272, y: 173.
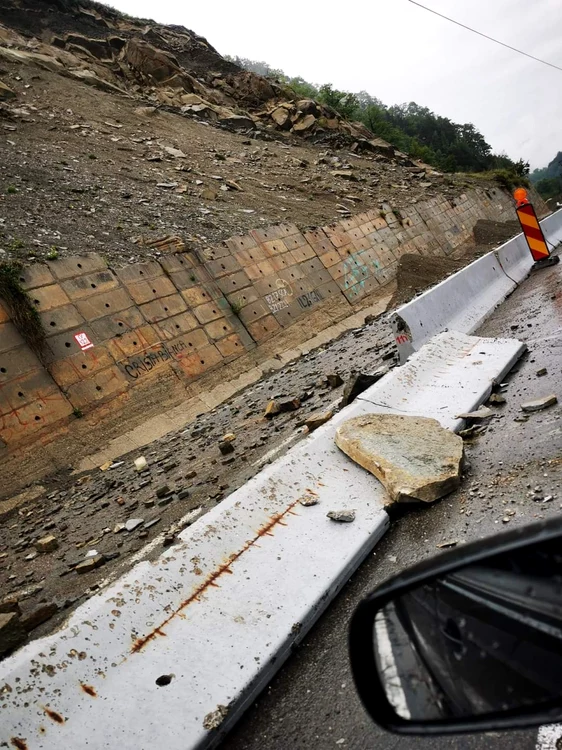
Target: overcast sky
x: 399, y: 53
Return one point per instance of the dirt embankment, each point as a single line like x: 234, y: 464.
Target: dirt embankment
x: 416, y: 273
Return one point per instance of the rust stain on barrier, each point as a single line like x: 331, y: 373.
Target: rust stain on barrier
x: 275, y: 519
x: 18, y: 743
x: 53, y: 715
x: 89, y: 690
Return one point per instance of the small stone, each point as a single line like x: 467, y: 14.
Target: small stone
x: 291, y: 405
x: 209, y: 195
x: 168, y: 539
x: 118, y: 528
x: 38, y: 616
x: 163, y: 491
x: 272, y: 409
x: 359, y: 382
x: 343, y: 516
x: 318, y: 419
x: 308, y: 500
x: 90, y: 564
x: 31, y: 556
x: 150, y: 524
x: 540, y: 403
x: 133, y: 523
x: 225, y: 447
x: 191, y: 474
x: 141, y: 463
x: 10, y: 604
x: 229, y: 437
x: 522, y: 418
x: 445, y: 545
x: 149, y: 503
x: 47, y: 544
x: 165, y: 501
x: 183, y: 494
x: 6, y: 92
x: 541, y: 372
x: 496, y: 398
x: 482, y: 413
x: 334, y: 380
x: 12, y: 633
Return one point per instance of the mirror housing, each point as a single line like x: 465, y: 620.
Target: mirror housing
x: 365, y: 668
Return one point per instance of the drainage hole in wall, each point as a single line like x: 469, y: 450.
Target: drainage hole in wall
x: 93, y: 286
x: 67, y: 344
x: 52, y: 323
x: 84, y: 367
x: 37, y: 419
x: 202, y: 361
x: 79, y: 265
x: 2, y: 369
x: 107, y: 304
x: 98, y: 387
x: 120, y: 325
x: 20, y: 394
x: 134, y: 343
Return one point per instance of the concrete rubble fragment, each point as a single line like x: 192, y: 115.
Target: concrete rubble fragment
x: 414, y: 457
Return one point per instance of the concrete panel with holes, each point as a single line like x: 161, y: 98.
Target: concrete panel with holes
x: 114, y: 331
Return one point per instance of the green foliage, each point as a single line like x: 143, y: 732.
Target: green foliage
x: 78, y: 413
x: 236, y: 307
x: 20, y: 306
x: 53, y: 253
x: 415, y: 130
x: 548, y: 181
x: 11, y: 189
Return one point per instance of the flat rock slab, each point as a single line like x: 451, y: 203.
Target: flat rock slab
x: 413, y: 457
x: 540, y: 403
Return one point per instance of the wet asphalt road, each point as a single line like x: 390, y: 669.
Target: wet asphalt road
x: 312, y: 702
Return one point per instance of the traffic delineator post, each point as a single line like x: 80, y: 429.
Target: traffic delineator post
x: 532, y: 230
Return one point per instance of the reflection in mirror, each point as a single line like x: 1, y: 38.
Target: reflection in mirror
x: 483, y: 639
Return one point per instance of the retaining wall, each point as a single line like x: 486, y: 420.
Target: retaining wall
x: 158, y: 327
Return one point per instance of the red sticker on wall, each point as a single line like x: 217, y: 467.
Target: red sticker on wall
x: 83, y: 341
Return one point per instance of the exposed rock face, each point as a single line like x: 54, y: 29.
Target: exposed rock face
x: 414, y: 457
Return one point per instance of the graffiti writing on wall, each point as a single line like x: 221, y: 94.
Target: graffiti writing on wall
x: 279, y: 299
x: 147, y: 361
x: 309, y: 299
x: 356, y: 271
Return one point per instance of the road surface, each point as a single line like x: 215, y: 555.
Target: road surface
x: 312, y: 703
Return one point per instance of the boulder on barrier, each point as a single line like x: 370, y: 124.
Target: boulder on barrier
x: 413, y: 457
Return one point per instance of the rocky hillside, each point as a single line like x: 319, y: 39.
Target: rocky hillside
x: 132, y: 139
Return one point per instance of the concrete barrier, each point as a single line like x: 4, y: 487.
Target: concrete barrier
x: 515, y: 258
x: 463, y: 301
x: 172, y: 653
x: 552, y: 228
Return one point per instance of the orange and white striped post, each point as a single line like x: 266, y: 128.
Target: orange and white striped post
x: 532, y: 230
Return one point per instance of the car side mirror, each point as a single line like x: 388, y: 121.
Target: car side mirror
x: 468, y: 641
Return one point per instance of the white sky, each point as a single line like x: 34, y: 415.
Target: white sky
x: 399, y: 53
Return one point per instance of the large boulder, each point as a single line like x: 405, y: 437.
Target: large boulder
x: 151, y: 63
x: 251, y: 89
x: 413, y: 457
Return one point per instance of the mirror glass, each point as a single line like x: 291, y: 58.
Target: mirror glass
x: 485, y: 638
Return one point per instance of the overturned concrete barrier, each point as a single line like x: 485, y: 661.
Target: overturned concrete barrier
x: 174, y: 652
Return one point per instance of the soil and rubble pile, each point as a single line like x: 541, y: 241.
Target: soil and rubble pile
x: 133, y: 139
